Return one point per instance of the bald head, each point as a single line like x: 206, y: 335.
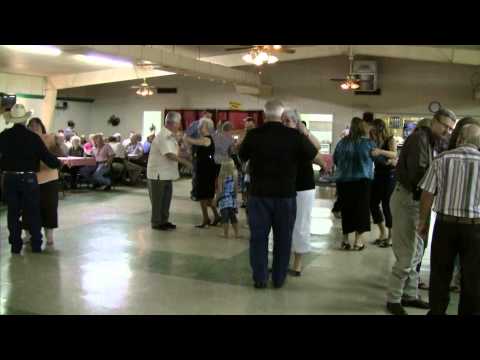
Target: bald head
x: 470, y: 134
x: 274, y: 110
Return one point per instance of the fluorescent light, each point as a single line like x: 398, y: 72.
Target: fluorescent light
x: 36, y: 49
x: 103, y: 61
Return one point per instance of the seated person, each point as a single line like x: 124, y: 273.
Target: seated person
x: 89, y: 145
x: 136, y: 162
x: 77, y: 151
x: 104, y: 155
x: 119, y: 161
x: 147, y: 144
x: 60, y: 142
x: 117, y: 147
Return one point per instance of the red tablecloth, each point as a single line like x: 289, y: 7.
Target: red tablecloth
x: 78, y: 161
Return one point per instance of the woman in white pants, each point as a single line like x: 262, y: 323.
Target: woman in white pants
x: 305, y: 195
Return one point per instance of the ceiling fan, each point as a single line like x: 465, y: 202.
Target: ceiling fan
x: 266, y: 48
x: 351, y: 81
x: 144, y: 89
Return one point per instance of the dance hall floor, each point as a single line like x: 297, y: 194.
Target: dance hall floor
x: 107, y: 260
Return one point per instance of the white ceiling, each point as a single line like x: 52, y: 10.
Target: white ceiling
x: 29, y: 64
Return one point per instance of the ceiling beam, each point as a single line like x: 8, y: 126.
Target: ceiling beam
x: 180, y: 64
x: 66, y: 81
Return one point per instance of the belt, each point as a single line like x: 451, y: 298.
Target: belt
x: 458, y: 220
x: 19, y: 172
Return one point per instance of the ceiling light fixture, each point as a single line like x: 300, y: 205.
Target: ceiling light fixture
x: 259, y: 57
x: 103, y: 60
x: 36, y: 49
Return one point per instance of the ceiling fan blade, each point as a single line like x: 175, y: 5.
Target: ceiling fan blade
x: 287, y: 51
x: 240, y: 48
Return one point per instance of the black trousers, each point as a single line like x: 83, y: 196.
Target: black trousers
x: 382, y: 190
x: 22, y: 195
x: 448, y: 240
x: 263, y: 214
x: 48, y: 206
x: 355, y: 205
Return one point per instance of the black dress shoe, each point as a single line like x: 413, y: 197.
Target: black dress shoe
x: 170, y: 225
x: 37, y: 250
x: 278, y: 285
x: 107, y: 188
x: 415, y: 303
x: 396, y: 309
x: 260, y: 285
x: 161, y: 227
x: 16, y: 250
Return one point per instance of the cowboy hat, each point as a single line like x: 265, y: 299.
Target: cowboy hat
x: 18, y: 114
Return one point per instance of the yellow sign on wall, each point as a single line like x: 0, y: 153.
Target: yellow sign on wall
x: 235, y: 105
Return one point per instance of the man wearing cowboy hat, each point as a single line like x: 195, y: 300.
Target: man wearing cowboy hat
x: 21, y: 151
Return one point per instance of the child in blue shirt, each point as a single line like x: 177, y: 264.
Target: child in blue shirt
x: 227, y: 197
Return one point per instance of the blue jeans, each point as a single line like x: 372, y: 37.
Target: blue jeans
x: 263, y: 214
x: 22, y: 195
x: 96, y: 174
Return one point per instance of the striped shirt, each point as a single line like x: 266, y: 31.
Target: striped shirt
x: 453, y: 178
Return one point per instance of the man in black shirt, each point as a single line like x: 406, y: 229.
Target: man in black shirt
x: 274, y: 151
x: 20, y: 153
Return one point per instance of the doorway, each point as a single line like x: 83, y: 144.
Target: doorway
x: 152, y: 123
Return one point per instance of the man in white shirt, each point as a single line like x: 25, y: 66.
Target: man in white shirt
x: 162, y: 169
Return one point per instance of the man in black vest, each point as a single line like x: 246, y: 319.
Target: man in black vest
x: 20, y: 153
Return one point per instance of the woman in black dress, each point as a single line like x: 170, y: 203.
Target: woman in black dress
x: 383, y: 182
x: 207, y: 171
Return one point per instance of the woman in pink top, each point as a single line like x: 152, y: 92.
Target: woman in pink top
x: 48, y: 180
x: 89, y: 145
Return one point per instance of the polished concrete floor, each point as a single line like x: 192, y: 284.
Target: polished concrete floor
x: 108, y: 260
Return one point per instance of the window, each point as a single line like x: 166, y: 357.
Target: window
x: 152, y: 123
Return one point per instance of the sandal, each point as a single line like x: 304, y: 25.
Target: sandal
x: 294, y: 273
x: 345, y: 246
x: 385, y: 244
x: 358, y: 248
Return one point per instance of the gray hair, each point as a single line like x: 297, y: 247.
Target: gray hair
x: 75, y: 139
x: 173, y: 117
x: 226, y: 126
x: 206, y: 121
x: 444, y: 112
x: 470, y: 134
x: 274, y: 109
x: 293, y: 115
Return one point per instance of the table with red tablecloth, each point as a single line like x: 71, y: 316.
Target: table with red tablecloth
x: 72, y: 161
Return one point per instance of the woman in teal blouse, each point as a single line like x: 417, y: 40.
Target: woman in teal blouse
x: 353, y: 158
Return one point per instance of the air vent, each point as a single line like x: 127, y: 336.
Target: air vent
x: 166, y: 90
x: 376, y: 92
x: 61, y: 105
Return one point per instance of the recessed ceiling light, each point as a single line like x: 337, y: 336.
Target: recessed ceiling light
x: 36, y: 49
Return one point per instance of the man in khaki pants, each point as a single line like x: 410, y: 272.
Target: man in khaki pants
x: 416, y: 156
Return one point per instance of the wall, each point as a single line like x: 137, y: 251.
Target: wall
x: 79, y: 112
x: 22, y: 84
x: 407, y: 87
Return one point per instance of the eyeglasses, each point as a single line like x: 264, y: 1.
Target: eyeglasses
x: 448, y: 127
